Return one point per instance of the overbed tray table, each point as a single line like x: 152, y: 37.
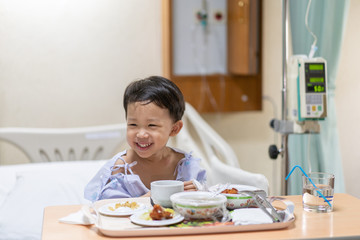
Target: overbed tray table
x: 343, y: 221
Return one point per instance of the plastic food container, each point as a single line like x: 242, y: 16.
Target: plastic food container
x: 199, y: 205
x: 241, y: 200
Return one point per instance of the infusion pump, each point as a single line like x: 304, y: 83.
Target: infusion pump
x: 306, y: 88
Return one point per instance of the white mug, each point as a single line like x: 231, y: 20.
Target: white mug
x: 162, y: 190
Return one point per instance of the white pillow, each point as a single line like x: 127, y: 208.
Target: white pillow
x: 21, y: 213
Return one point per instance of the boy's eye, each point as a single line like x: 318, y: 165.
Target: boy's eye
x: 132, y: 124
x: 152, y: 125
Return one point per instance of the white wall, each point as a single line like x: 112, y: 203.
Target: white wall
x: 66, y: 64
x: 347, y: 100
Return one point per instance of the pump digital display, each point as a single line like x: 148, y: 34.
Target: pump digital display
x: 315, y: 67
x: 315, y: 77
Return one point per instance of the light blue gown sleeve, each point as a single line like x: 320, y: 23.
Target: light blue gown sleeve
x: 104, y: 185
x: 190, y: 168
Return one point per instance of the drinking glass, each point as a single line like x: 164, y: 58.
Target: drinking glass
x: 318, y: 192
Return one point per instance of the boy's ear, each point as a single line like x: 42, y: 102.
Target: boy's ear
x: 176, y: 128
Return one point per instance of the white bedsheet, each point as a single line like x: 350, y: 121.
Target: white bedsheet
x: 25, y: 190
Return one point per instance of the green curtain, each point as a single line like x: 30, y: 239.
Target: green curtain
x: 327, y: 20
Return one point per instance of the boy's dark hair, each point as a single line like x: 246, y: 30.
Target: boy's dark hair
x: 159, y: 90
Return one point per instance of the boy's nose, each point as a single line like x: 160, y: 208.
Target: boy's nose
x: 142, y: 134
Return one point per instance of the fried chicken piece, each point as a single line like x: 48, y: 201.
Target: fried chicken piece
x: 157, y: 213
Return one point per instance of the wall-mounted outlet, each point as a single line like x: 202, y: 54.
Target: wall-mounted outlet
x: 218, y: 16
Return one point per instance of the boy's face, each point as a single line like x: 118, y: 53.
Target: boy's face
x: 149, y: 128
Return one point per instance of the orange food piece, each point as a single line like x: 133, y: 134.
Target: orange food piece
x: 231, y: 191
x: 168, y: 215
x: 158, y: 213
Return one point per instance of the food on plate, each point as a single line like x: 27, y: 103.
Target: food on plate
x: 230, y: 191
x: 159, y: 213
x: 131, y: 205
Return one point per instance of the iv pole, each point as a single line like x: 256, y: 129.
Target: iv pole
x: 284, y: 137
x: 273, y: 150
x: 284, y: 126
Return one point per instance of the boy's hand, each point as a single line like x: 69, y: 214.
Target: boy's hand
x: 148, y: 194
x: 189, y: 186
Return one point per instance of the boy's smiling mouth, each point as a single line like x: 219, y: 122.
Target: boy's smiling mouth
x: 143, y: 145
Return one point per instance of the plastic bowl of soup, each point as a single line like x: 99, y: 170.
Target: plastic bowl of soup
x: 199, y: 205
x: 236, y: 199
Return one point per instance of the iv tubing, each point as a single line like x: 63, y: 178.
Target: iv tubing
x: 313, y: 46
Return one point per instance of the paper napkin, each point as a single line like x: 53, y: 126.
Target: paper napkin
x: 77, y: 218
x: 247, y: 216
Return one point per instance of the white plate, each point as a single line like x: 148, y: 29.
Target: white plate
x: 121, y: 211
x: 136, y: 218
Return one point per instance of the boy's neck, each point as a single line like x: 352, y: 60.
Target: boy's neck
x: 160, y: 157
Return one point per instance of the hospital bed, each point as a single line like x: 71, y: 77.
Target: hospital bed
x: 64, y: 160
